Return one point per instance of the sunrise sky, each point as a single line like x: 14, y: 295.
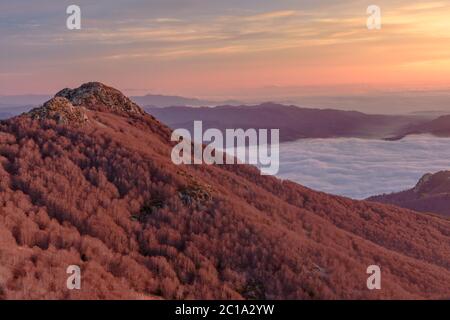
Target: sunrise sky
x: 215, y: 47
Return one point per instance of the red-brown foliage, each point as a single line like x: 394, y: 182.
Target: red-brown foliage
x: 106, y: 197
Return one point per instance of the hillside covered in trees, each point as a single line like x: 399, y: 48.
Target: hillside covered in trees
x: 87, y: 180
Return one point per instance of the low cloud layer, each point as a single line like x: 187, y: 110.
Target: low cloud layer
x: 361, y: 168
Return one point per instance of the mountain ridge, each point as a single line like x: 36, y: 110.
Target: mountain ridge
x: 107, y: 197
x: 163, y: 101
x: 294, y: 122
x: 431, y: 194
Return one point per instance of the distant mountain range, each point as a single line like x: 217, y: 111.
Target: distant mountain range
x: 14, y: 105
x: 294, y: 122
x: 8, y: 112
x: 23, y: 100
x: 153, y: 100
x: 11, y: 106
x: 431, y: 194
x: 161, y: 101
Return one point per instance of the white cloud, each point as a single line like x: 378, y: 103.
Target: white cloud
x: 360, y: 168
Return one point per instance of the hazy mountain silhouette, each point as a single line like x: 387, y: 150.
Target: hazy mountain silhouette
x: 431, y: 194
x: 161, y: 101
x: 23, y: 100
x: 8, y: 112
x: 11, y: 106
x: 439, y: 127
x: 294, y: 122
x: 87, y: 180
x: 16, y: 104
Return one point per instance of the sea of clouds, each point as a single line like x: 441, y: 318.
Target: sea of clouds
x: 360, y: 168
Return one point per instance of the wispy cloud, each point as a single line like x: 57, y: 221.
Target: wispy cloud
x: 271, y: 15
x: 290, y: 42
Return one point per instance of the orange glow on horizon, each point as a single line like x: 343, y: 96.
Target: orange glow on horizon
x: 221, y: 53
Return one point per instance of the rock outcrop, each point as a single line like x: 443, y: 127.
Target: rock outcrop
x: 62, y: 111
x: 99, y: 97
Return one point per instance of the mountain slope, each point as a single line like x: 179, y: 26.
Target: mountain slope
x: 294, y: 122
x: 104, y: 195
x: 439, y: 127
x: 431, y: 194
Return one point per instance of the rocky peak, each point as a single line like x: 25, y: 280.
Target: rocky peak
x: 434, y: 183
x: 99, y: 97
x: 61, y: 110
x: 422, y: 182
